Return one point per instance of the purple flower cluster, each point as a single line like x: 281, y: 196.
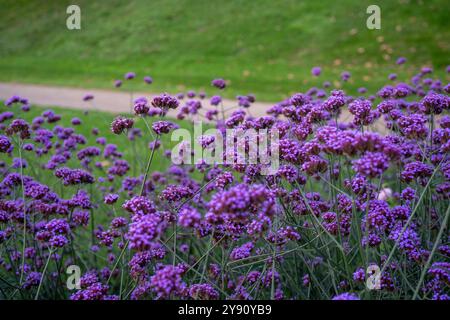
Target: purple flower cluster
x: 219, y: 83
x: 73, y: 176
x: 144, y: 230
x: 141, y: 107
x: 362, y: 110
x: 165, y: 102
x: 362, y: 181
x: 5, y: 145
x: 120, y: 124
x: 167, y: 282
x: 162, y: 127
x: 371, y: 164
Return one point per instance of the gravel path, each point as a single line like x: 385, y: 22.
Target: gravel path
x: 114, y: 101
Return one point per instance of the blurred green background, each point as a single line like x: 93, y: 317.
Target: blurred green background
x: 264, y: 47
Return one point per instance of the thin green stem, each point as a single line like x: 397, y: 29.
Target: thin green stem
x: 436, y: 243
x: 43, y: 274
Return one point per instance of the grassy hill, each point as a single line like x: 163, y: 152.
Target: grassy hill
x: 264, y: 47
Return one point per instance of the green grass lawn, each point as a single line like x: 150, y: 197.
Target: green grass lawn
x: 263, y: 47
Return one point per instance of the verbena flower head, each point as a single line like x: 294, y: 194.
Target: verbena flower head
x: 148, y: 80
x: 435, y: 103
x: 111, y: 198
x: 346, y: 296
x: 240, y: 204
x: 165, y: 102
x: 371, y: 164
x: 130, y: 75
x: 141, y: 107
x: 167, y: 282
x: 5, y: 144
x: 120, y: 124
x: 335, y: 101
x: 19, y: 127
x: 315, y: 71
x: 189, y: 217
x: 162, y: 127
x: 216, y: 100
x: 139, y: 205
x: 219, y: 83
x: 401, y: 60
x: 144, y: 230
x: 88, y: 97
x: 74, y: 176
x: 413, y: 126
x: 203, y: 292
x: 362, y: 110
x: 345, y: 76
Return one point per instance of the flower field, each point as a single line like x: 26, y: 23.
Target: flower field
x: 358, y: 207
